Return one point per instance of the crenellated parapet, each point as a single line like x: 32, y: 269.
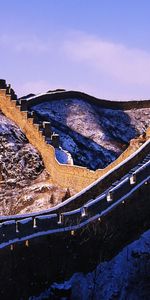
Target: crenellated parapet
x: 64, y: 95
x: 37, y: 133
x: 16, y: 229
x: 8, y: 89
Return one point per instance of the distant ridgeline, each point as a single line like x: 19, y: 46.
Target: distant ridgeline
x: 110, y: 209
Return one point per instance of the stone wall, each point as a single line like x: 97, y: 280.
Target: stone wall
x: 26, y: 270
x: 28, y: 227
x: 63, y: 175
x: 125, y: 105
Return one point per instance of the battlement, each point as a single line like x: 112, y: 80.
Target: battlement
x: 124, y: 105
x: 28, y: 227
x: 37, y: 134
x: 110, y: 209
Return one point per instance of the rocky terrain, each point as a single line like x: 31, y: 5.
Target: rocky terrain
x: 94, y: 136
x: 126, y: 276
x: 24, y: 184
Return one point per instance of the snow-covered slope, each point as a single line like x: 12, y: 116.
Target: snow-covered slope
x: 94, y: 136
x: 24, y: 186
x: 17, y: 155
x: 125, y: 277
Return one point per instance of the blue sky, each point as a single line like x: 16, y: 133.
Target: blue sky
x: 101, y: 47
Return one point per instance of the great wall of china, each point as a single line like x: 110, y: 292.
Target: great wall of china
x: 111, y: 206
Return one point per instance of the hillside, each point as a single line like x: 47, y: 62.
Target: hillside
x: 126, y: 276
x: 94, y: 136
x: 24, y: 186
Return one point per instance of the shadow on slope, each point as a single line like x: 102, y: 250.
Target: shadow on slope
x: 93, y: 135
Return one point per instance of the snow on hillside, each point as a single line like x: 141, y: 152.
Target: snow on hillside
x: 125, y: 277
x: 94, y: 136
x: 24, y: 186
x: 16, y: 154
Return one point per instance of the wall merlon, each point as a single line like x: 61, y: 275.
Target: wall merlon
x: 25, y: 227
x: 23, y: 104
x: 47, y: 129
x: 8, y: 89
x: 35, y: 118
x: 3, y: 84
x: 55, y: 140
x: 47, y: 222
x: 7, y: 230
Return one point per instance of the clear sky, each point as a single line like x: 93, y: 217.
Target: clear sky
x: 101, y: 47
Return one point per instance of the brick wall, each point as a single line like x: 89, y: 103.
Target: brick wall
x: 63, y: 175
